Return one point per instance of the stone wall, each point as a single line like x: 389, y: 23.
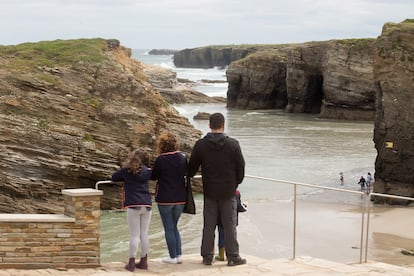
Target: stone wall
x: 69, y: 240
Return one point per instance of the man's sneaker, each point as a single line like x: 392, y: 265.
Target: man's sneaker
x: 236, y: 261
x: 207, y: 261
x: 169, y: 260
x: 179, y: 259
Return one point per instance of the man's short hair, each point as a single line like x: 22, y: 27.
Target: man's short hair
x: 216, y: 121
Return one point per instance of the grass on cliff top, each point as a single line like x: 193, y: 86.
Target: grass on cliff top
x: 407, y: 25
x: 50, y: 53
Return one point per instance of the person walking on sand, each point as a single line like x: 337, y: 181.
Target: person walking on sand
x: 222, y: 168
x: 341, y: 178
x: 169, y: 170
x: 362, y: 183
x: 368, y: 182
x: 137, y: 201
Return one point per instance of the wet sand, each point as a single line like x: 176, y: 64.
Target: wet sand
x: 327, y: 230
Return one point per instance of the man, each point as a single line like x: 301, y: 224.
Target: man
x: 222, y: 168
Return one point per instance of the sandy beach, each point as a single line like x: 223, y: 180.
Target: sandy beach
x: 327, y: 230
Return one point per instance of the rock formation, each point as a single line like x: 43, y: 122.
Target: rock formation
x: 331, y: 78
x: 162, y: 52
x: 209, y: 57
x: 176, y: 91
x: 70, y: 112
x: 394, y: 123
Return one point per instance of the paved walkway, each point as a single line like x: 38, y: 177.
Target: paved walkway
x: 192, y: 266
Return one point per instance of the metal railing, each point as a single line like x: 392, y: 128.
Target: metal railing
x: 102, y: 182
x: 295, y: 184
x: 366, y: 209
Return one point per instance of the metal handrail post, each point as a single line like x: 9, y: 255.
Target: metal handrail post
x: 362, y: 230
x: 367, y: 229
x: 294, y: 221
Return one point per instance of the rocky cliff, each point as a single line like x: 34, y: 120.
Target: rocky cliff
x: 70, y: 111
x: 394, y: 123
x: 331, y: 78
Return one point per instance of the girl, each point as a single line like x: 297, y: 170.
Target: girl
x: 137, y: 201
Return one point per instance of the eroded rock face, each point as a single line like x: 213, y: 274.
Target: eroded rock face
x: 394, y: 123
x: 67, y: 124
x: 333, y: 79
x: 257, y: 82
x: 347, y: 72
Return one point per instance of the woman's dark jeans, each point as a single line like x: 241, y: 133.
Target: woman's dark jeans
x: 170, y: 215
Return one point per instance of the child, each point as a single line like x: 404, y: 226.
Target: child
x: 241, y: 207
x: 137, y: 201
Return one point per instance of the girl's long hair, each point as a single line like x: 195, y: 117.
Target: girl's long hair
x: 134, y: 163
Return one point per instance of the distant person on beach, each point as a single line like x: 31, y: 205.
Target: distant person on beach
x: 222, y: 168
x: 362, y: 183
x: 137, y: 201
x: 341, y: 178
x: 241, y: 207
x: 369, y: 180
x: 171, y: 194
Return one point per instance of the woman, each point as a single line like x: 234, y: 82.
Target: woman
x: 170, y: 170
x: 137, y: 201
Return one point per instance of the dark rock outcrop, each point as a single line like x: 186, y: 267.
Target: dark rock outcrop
x: 394, y: 123
x: 211, y: 56
x: 70, y: 112
x: 331, y: 78
x: 258, y: 81
x: 162, y: 52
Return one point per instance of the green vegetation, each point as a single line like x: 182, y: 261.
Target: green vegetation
x: 88, y: 137
x: 43, y: 124
x: 94, y: 102
x: 51, y: 53
x: 408, y: 21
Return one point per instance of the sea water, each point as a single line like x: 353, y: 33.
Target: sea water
x: 275, y: 144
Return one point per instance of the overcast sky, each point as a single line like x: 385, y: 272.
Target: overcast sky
x: 179, y: 24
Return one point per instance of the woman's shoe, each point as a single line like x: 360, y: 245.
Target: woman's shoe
x: 169, y: 260
x: 179, y: 259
